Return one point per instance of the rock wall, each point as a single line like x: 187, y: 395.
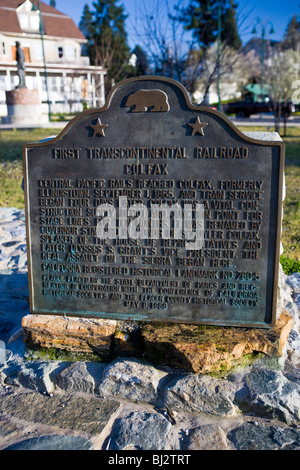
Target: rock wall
x: 133, y: 403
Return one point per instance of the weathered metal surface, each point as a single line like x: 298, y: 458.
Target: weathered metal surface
x: 150, y: 145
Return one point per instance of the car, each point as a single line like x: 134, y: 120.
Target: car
x: 244, y: 109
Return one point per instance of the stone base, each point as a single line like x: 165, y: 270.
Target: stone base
x: 24, y: 108
x: 198, y: 349
x: 205, y: 349
x: 78, y: 336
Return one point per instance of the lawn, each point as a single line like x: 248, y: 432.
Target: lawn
x: 11, y: 174
x: 290, y: 258
x: 11, y: 163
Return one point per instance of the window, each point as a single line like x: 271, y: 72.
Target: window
x: 2, y: 82
x: 26, y: 51
x: 34, y: 23
x: 24, y: 21
x: 60, y: 52
x: 34, y: 81
x: 3, y: 48
x: 62, y: 85
x: 53, y: 84
x: 13, y: 81
x: 44, y: 82
x: 38, y: 52
x: 29, y: 20
x: 70, y: 53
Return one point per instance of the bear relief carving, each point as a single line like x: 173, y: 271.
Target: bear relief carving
x: 142, y: 101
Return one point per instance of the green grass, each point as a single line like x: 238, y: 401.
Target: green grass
x: 11, y: 174
x: 11, y: 163
x: 289, y: 265
x: 290, y: 258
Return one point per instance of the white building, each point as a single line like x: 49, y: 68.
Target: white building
x: 71, y: 80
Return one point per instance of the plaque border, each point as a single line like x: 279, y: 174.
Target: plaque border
x: 222, y: 117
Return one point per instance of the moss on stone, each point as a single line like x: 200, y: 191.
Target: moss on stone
x: 206, y: 327
x: 222, y: 370
x: 55, y: 354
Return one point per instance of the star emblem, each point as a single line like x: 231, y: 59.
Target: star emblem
x: 99, y: 128
x: 198, y: 126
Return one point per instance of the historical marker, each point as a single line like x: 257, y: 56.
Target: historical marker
x: 151, y: 208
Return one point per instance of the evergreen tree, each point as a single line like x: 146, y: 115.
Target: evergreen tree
x: 86, y: 28
x: 104, y: 27
x: 201, y: 17
x: 85, y: 24
x: 292, y: 34
x: 141, y: 61
x: 230, y: 30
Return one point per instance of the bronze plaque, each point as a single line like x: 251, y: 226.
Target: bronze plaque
x: 151, y: 208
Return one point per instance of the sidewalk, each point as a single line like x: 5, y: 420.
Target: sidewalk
x: 265, y: 120
x: 49, y: 125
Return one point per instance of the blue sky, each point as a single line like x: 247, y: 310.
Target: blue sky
x: 277, y: 11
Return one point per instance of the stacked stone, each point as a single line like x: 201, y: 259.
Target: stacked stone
x: 245, y: 395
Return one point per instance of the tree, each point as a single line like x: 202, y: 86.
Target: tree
x: 86, y: 21
x: 201, y: 17
x: 211, y: 22
x: 53, y: 3
x: 159, y: 32
x: 141, y: 64
x: 292, y: 34
x: 230, y: 29
x: 280, y: 75
x: 104, y: 27
x: 236, y: 68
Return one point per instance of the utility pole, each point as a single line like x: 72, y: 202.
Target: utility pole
x: 219, y: 26
x: 263, y: 39
x: 219, y: 57
x: 44, y: 57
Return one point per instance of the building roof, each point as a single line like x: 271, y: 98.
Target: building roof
x: 55, y: 23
